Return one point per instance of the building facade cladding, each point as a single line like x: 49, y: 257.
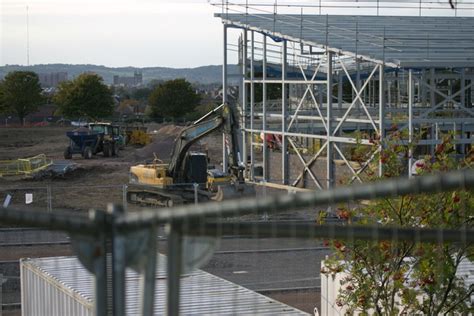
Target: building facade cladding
x: 53, y: 79
x: 343, y: 81
x: 136, y: 80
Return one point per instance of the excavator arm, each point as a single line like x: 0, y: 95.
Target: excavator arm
x: 226, y: 120
x: 186, y: 139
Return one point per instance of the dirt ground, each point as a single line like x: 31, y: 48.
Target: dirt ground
x: 94, y: 182
x: 97, y: 181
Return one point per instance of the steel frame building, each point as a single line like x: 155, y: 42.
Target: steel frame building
x: 343, y: 80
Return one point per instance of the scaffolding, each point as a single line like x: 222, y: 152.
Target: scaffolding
x: 323, y: 84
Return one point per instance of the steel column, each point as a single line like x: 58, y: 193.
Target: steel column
x: 243, y: 124
x: 284, y: 113
x: 423, y: 87
x: 224, y: 97
x: 397, y: 74
x: 358, y: 84
x: 264, y: 110
x: 381, y: 112
x: 389, y: 90
x: 329, y: 149
x: 433, y: 87
x: 339, y: 91
x: 463, y: 87
x: 432, y: 104
x: 252, y: 103
x: 410, y: 120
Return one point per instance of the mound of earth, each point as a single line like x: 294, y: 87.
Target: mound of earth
x: 162, y: 144
x: 164, y: 140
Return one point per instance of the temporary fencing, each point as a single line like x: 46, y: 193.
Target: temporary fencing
x: 192, y: 232
x: 25, y: 166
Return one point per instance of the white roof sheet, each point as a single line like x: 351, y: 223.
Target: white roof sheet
x: 201, y: 293
x: 399, y: 41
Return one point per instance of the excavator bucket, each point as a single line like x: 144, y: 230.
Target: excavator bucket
x: 234, y: 191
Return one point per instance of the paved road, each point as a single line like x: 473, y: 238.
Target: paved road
x: 280, y: 263
x: 30, y: 235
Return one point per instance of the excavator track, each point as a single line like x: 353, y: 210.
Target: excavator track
x: 153, y: 196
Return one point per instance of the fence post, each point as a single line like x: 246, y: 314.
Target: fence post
x: 175, y: 243
x: 118, y: 263
x: 264, y: 183
x: 196, y: 198
x: 124, y: 196
x: 1, y: 293
x: 49, y: 198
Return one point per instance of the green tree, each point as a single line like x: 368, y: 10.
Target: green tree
x: 3, y: 106
x: 142, y: 94
x: 409, y: 277
x: 86, y: 96
x: 20, y: 93
x: 174, y: 98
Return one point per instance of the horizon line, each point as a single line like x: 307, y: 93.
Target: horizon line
x: 98, y: 65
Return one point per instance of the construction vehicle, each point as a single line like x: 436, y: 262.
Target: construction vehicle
x: 187, y: 177
x: 135, y: 133
x: 94, y: 138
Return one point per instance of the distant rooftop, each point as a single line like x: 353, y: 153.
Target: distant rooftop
x: 398, y: 41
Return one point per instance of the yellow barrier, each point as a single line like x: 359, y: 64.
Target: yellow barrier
x: 139, y: 137
x: 24, y: 166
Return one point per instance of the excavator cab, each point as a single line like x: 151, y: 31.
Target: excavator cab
x: 195, y: 168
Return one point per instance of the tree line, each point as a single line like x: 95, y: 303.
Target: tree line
x: 87, y: 96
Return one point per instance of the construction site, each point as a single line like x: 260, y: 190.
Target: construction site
x: 238, y: 211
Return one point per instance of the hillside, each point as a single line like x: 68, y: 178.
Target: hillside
x: 204, y: 74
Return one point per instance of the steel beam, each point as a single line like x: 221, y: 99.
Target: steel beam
x: 288, y: 81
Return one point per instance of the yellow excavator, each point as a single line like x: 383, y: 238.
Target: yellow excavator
x: 187, y: 176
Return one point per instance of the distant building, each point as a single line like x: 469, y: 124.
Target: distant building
x: 53, y: 79
x: 136, y: 80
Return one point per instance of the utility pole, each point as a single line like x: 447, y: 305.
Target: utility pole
x: 27, y: 38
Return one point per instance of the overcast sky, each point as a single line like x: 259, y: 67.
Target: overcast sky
x: 175, y: 33
x: 140, y: 33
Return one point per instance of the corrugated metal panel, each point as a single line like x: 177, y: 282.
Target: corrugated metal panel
x: 404, y: 41
x: 466, y: 271
x: 43, y: 293
x: 67, y: 289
